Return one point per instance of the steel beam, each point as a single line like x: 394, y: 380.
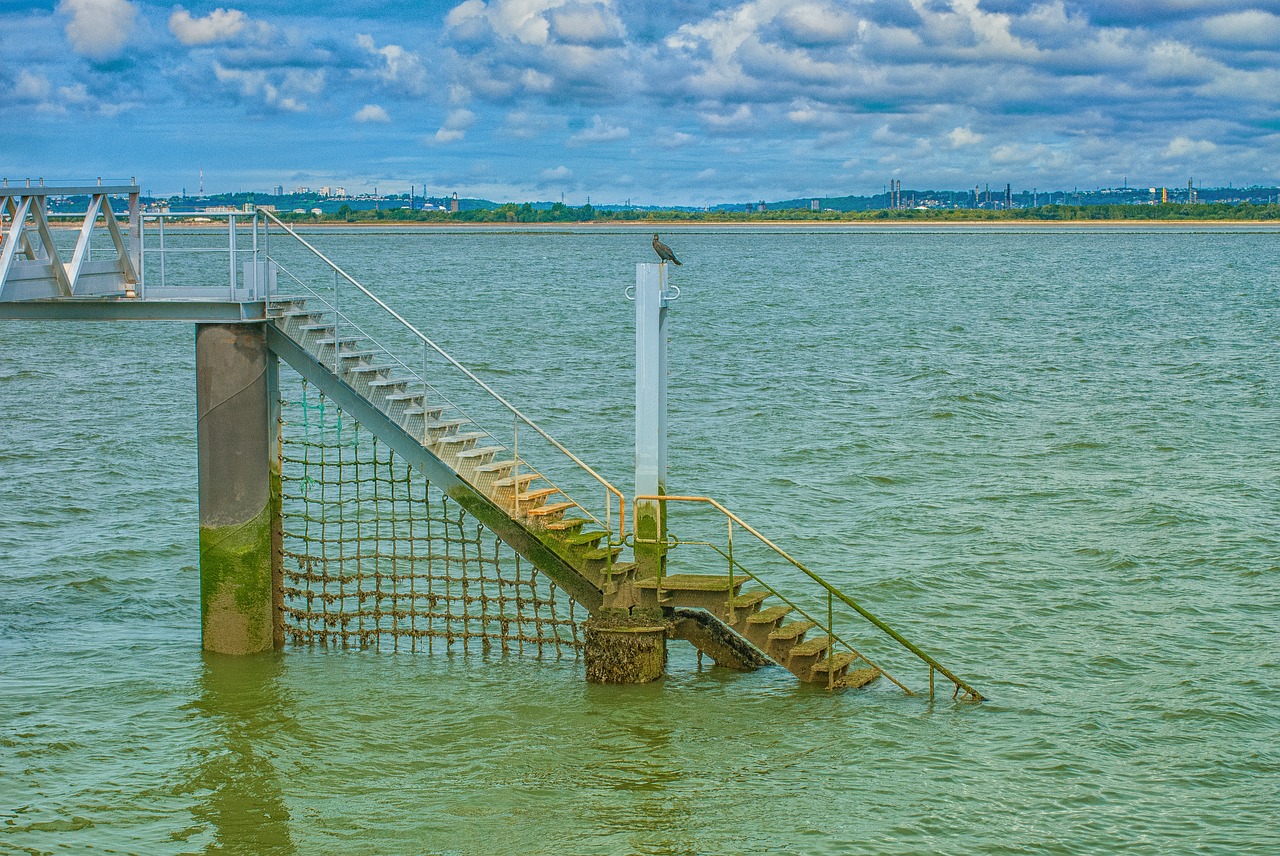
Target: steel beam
x: 111, y: 309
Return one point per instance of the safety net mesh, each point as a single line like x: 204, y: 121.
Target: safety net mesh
x: 375, y: 555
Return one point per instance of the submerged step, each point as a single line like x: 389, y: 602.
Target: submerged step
x: 791, y: 632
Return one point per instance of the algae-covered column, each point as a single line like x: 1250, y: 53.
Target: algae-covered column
x: 238, y: 436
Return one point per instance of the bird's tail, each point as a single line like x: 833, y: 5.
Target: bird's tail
x: 675, y: 261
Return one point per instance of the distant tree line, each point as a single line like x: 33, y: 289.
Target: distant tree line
x: 561, y: 213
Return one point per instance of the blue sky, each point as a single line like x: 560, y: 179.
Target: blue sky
x: 660, y: 102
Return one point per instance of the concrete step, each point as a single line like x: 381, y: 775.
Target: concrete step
x: 566, y: 524
x: 831, y: 668
x: 786, y: 637
x: 760, y: 624
x: 600, y: 558
x: 583, y: 541
x: 745, y: 605
x: 696, y: 591
x: 804, y: 655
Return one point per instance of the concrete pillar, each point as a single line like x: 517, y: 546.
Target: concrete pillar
x: 238, y: 434
x: 621, y: 649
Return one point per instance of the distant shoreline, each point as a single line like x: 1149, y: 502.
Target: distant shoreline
x: 738, y: 224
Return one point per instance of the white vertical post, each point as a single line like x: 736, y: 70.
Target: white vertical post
x: 651, y: 416
x: 231, y: 226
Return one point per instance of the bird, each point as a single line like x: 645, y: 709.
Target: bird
x: 663, y: 251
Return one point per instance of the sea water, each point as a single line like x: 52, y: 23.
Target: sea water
x: 1048, y: 455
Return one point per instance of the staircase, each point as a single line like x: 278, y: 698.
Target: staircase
x: 489, y: 467
x: 737, y: 618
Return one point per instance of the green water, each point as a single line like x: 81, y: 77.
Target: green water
x: 1050, y: 456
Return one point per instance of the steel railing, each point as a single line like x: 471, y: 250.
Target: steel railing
x: 330, y: 297
x: 832, y: 594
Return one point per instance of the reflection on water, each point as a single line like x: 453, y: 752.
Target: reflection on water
x: 236, y: 784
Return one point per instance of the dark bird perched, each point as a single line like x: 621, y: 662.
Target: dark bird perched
x: 663, y: 251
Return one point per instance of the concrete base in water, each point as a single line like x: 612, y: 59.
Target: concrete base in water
x: 239, y: 487
x: 624, y: 650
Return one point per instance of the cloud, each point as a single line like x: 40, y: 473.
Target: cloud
x: 275, y: 90
x: 220, y: 25
x: 599, y: 132
x: 961, y: 137
x: 396, y: 67
x: 570, y: 50
x: 31, y: 87
x: 1180, y: 147
x: 1250, y: 28
x: 99, y: 29
x: 371, y: 114
x: 674, y: 139
x: 555, y: 175
x: 814, y: 24
x: 455, y: 126
x: 585, y: 24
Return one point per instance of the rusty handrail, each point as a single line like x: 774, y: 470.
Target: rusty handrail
x: 893, y: 634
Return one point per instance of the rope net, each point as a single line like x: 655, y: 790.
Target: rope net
x: 375, y: 555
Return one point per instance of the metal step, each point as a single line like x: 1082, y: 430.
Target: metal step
x: 469, y: 460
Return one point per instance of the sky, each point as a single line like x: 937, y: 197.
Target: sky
x: 677, y: 102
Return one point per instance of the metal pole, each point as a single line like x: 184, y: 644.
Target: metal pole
x: 651, y: 418
x: 231, y: 223
x: 162, y: 250
x: 337, y: 316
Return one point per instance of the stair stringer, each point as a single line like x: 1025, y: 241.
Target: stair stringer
x: 410, y: 449
x: 718, y: 640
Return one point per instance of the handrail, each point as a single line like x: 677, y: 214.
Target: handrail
x: 622, y: 502
x: 832, y: 590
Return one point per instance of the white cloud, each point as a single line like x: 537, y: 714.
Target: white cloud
x: 1183, y: 146
x: 99, y: 29
x: 961, y: 137
x: 1251, y: 28
x: 279, y: 93
x: 559, y: 173
x: 220, y: 25
x: 675, y: 139
x: 31, y: 87
x: 817, y: 24
x: 582, y: 24
x: 455, y: 126
x: 371, y: 114
x: 399, y: 68
x: 740, y: 117
x: 599, y: 132
x: 706, y: 175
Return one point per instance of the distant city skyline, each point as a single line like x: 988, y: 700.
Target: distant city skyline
x: 669, y: 102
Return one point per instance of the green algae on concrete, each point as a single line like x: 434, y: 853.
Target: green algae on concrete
x: 624, y: 650
x: 237, y: 599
